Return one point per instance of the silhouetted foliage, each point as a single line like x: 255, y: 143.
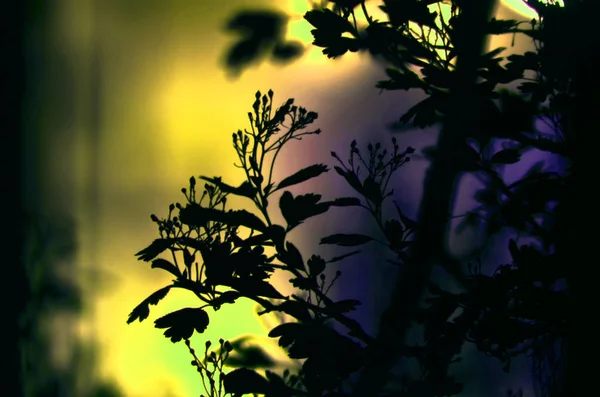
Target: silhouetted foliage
x: 522, y: 308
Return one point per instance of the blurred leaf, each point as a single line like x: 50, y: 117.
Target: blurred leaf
x: 260, y: 31
x: 287, y: 52
x: 400, y: 80
x: 142, y: 311
x: 303, y: 175
x: 244, y: 381
x: 166, y: 265
x: 506, y: 156
x: 181, y: 324
x: 248, y: 355
x: 501, y: 26
x: 346, y: 240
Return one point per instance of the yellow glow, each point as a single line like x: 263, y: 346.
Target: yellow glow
x: 522, y: 8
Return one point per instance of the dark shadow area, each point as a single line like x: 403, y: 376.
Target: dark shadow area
x: 41, y: 279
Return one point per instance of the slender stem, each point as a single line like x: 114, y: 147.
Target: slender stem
x: 439, y: 192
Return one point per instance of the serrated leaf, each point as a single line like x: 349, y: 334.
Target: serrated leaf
x: 303, y: 175
x: 351, y: 178
x: 225, y: 297
x: 196, y: 215
x: 142, y: 311
x: 297, y: 209
x: 328, y: 21
x: 316, y: 265
x: 156, y: 248
x: 166, y: 265
x: 182, y: 323
x: 246, y: 189
x: 346, y: 240
x: 291, y: 256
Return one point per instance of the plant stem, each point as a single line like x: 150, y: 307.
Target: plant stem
x: 435, y: 210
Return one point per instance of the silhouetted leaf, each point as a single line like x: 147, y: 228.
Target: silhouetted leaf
x: 244, y: 381
x: 372, y: 190
x: 328, y: 33
x: 400, y: 80
x: 225, y: 297
x: 506, y: 156
x: 142, y: 311
x: 182, y: 323
x: 340, y: 257
x: 166, y: 265
x: 291, y: 256
x: 195, y: 215
x: 351, y: 178
x: 328, y: 21
x: 345, y: 202
x: 246, y: 189
x: 394, y: 232
x: 303, y: 283
x: 346, y: 240
x: 295, y: 309
x: 344, y: 306
x: 296, y: 209
x: 408, y: 223
x: 316, y: 265
x: 253, y: 287
x: 304, y: 174
x: 157, y: 247
x: 286, y: 205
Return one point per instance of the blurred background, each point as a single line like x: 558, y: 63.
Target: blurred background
x: 125, y: 100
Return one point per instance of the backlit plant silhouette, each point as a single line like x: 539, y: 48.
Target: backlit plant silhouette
x: 221, y: 255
